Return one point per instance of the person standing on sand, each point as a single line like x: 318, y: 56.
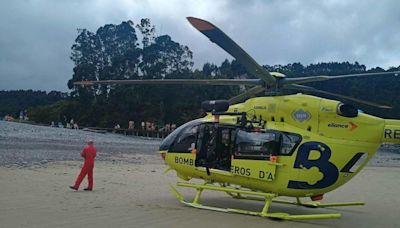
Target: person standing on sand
x: 88, y: 153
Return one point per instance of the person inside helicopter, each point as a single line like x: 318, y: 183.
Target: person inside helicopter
x: 206, y: 145
x: 225, y: 148
x: 214, y: 146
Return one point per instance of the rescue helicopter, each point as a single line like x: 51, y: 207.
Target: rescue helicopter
x: 262, y: 148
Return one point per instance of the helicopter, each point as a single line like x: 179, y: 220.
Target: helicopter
x: 262, y: 148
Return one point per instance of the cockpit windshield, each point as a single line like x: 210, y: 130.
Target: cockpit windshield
x: 180, y: 132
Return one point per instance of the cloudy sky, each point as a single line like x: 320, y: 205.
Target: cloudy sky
x: 36, y: 35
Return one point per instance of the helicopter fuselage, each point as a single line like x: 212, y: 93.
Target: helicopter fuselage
x: 296, y: 145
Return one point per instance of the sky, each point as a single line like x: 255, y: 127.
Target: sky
x: 36, y: 35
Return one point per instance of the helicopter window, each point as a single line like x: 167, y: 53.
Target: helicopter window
x: 186, y: 140
x: 255, y: 145
x: 289, y: 142
x: 171, y: 138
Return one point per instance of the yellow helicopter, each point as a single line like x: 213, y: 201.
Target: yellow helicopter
x: 266, y: 147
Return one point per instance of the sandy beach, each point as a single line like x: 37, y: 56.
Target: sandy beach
x: 131, y: 190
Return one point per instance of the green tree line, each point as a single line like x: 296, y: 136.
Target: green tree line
x: 134, y: 51
x: 14, y: 101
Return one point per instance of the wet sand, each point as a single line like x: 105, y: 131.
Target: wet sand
x: 138, y: 195
x: 37, y: 164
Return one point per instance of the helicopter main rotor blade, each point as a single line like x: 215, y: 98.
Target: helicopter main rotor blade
x: 319, y: 78
x: 174, y: 82
x: 311, y: 89
x: 243, y: 96
x: 218, y: 37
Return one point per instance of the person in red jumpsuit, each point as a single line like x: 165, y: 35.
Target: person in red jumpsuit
x: 88, y: 153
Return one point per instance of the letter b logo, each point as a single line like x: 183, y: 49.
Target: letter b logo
x: 328, y: 169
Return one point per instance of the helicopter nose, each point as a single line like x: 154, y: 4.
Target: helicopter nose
x: 163, y: 154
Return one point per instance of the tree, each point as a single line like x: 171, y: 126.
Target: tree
x: 12, y: 102
x: 110, y: 53
x: 147, y: 30
x: 165, y: 59
x: 115, y: 52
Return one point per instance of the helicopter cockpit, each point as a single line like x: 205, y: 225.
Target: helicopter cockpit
x: 216, y: 144
x: 180, y: 137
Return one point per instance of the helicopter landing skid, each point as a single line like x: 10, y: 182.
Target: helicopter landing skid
x: 298, y: 202
x: 261, y: 196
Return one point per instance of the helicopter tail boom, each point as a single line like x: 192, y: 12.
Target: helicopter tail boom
x: 391, y: 133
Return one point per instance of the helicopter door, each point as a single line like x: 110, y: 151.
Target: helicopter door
x: 214, y: 146
x: 252, y: 151
x: 206, y: 145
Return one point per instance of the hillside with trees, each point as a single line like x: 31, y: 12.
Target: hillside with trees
x: 134, y: 51
x: 14, y: 101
